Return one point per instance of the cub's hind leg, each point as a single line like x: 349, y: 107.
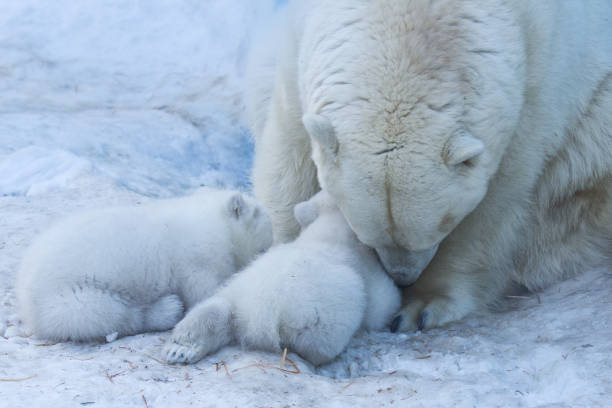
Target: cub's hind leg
x: 164, y: 314
x: 84, y: 314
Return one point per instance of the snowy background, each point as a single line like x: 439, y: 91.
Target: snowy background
x: 108, y: 102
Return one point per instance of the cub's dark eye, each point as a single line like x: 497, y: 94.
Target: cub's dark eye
x: 469, y: 163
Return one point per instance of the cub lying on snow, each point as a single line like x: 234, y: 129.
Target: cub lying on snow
x: 310, y: 295
x: 133, y: 269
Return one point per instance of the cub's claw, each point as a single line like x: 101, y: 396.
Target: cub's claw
x: 173, y: 352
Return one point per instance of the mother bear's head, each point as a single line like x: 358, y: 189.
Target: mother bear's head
x: 410, y: 114
x: 408, y: 191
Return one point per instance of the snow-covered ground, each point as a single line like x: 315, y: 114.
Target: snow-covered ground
x: 110, y: 101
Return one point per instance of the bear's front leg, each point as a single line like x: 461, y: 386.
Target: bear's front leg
x: 447, y: 291
x: 205, y: 329
x: 283, y: 172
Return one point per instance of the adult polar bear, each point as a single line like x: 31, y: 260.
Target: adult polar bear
x: 481, y: 127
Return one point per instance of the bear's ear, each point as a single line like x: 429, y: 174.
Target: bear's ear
x: 321, y: 130
x: 305, y: 213
x: 236, y: 206
x: 462, y: 147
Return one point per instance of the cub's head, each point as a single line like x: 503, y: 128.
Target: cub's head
x: 250, y: 226
x: 409, y: 116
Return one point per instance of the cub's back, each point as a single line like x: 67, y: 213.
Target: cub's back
x: 110, y: 248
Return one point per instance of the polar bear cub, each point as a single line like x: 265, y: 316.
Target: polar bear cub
x: 310, y: 295
x: 132, y: 269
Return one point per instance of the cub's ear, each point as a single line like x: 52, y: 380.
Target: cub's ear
x: 462, y: 147
x: 305, y: 213
x: 236, y: 206
x: 322, y: 131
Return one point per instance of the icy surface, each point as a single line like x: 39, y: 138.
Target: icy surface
x: 110, y: 102
x: 148, y: 91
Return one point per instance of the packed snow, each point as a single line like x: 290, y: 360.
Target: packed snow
x: 110, y: 102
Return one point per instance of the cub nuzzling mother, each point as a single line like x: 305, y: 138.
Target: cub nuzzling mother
x: 310, y: 295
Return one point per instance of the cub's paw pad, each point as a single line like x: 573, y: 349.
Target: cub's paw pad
x: 174, y: 352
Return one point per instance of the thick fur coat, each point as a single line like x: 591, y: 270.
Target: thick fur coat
x: 133, y: 269
x: 478, y: 131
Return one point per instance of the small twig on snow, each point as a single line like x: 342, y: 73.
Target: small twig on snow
x: 282, y: 364
x: 160, y: 361
x: 111, y: 376
x: 17, y: 379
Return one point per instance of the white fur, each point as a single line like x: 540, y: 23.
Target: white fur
x: 484, y: 128
x: 134, y: 269
x: 310, y: 295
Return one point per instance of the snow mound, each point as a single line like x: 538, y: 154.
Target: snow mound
x: 155, y: 152
x: 35, y: 170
